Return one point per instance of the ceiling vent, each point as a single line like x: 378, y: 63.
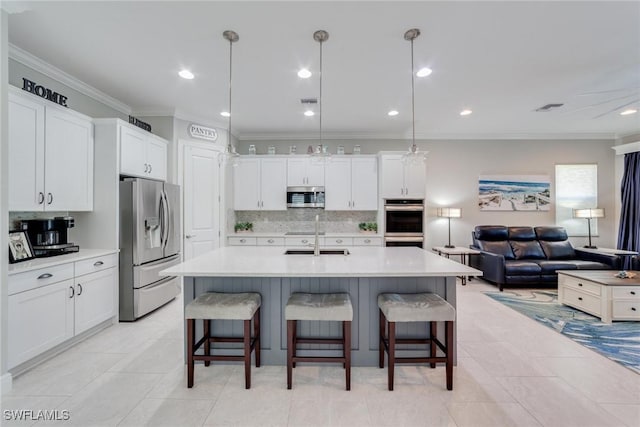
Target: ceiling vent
x: 548, y: 107
x: 309, y: 100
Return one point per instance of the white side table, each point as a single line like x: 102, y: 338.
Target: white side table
x: 460, y: 251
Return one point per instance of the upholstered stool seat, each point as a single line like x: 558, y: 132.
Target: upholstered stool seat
x: 423, y: 307
x: 223, y: 306
x: 318, y: 307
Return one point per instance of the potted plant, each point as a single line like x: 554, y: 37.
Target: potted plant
x: 368, y: 227
x: 243, y: 227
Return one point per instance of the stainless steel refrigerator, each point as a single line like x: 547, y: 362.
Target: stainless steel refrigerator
x: 149, y: 243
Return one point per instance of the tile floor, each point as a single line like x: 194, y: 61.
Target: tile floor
x: 511, y: 371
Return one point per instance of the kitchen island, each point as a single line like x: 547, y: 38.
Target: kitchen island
x: 364, y: 273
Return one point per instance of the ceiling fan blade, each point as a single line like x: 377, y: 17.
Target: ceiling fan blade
x: 600, y: 92
x: 617, y: 108
x: 586, y: 107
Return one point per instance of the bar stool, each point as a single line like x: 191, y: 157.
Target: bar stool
x: 424, y: 307
x: 223, y: 306
x: 323, y: 307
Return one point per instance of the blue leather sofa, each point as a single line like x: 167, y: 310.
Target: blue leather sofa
x: 530, y: 256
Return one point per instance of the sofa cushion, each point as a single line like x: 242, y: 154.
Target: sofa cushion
x: 521, y: 233
x: 551, y: 234
x: 558, y: 250
x: 491, y: 232
x: 527, y: 250
x: 501, y: 248
x: 591, y: 265
x: 521, y: 268
x: 549, y: 267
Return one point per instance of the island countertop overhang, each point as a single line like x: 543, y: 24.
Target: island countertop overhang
x: 233, y: 261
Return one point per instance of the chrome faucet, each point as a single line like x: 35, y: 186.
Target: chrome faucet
x: 316, y: 245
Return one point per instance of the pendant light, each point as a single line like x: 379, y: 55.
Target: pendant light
x: 231, y: 37
x: 321, y: 36
x: 413, y: 153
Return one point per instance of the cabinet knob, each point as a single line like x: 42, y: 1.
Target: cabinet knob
x: 633, y: 309
x: 632, y: 292
x: 579, y: 298
x: 45, y: 276
x: 579, y: 284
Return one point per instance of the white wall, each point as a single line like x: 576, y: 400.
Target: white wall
x: 453, y: 167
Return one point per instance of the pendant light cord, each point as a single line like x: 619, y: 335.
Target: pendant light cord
x: 320, y: 106
x: 413, y: 105
x: 230, y: 68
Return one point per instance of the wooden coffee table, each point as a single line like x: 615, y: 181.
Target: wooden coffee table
x: 600, y: 293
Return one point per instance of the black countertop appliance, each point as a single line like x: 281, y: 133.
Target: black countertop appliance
x: 49, y: 236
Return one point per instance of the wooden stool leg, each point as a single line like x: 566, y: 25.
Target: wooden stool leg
x: 247, y: 354
x: 346, y: 326
x: 432, y: 342
x: 290, y: 344
x: 381, y: 350
x: 256, y: 334
x: 449, y: 346
x: 294, y: 326
x: 207, y: 343
x: 190, y: 345
x: 392, y: 353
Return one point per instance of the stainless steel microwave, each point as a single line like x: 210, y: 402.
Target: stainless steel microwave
x: 305, y: 197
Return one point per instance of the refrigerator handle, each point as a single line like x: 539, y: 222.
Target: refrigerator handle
x: 167, y: 219
x: 162, y: 219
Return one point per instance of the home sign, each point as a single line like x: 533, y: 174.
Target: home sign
x: 44, y: 92
x: 202, y: 132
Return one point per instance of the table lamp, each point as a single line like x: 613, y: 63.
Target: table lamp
x: 449, y: 213
x: 588, y: 214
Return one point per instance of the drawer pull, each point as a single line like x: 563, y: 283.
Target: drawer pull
x: 579, y: 298
x: 579, y: 284
x: 633, y: 309
x: 305, y: 241
x: 632, y: 292
x: 270, y: 241
x: 367, y: 240
x: 243, y: 241
x: 45, y: 276
x: 98, y: 263
x: 339, y: 241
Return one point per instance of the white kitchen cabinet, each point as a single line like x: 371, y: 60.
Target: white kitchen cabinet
x: 142, y: 154
x: 50, y: 156
x: 305, y: 171
x: 351, y: 184
x: 50, y: 305
x: 402, y: 178
x: 260, y: 184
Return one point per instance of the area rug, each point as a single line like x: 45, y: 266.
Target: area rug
x: 619, y: 341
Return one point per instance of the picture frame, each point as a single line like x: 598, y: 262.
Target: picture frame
x: 20, y: 248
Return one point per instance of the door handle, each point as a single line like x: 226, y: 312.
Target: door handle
x: 40, y: 198
x: 189, y: 236
x: 150, y: 167
x: 79, y: 289
x: 73, y: 291
x: 146, y: 168
x: 50, y: 198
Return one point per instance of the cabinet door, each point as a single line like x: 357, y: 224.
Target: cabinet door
x: 297, y: 172
x: 68, y: 162
x: 364, y: 184
x: 94, y: 299
x: 273, y: 184
x: 26, y: 154
x: 157, y: 159
x: 338, y: 185
x: 133, y: 152
x: 315, y: 172
x: 415, y: 178
x: 392, y: 178
x: 39, y: 320
x: 246, y: 185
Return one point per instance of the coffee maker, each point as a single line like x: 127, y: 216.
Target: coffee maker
x: 48, y: 237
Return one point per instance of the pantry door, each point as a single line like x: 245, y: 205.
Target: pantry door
x: 201, y: 191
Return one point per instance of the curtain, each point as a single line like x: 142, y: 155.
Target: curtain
x: 629, y: 233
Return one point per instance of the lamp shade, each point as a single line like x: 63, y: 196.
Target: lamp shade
x: 449, y: 212
x: 588, y: 213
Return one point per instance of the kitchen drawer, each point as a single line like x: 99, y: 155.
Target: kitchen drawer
x: 270, y: 241
x: 627, y: 310
x: 242, y: 241
x: 96, y: 264
x: 626, y: 292
x: 367, y: 241
x: 583, y: 301
x: 338, y: 241
x: 581, y: 285
x: 21, y: 282
x: 301, y: 241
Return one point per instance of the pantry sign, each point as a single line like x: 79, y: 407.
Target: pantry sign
x: 202, y: 132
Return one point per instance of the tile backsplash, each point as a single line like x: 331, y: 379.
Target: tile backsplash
x: 304, y: 220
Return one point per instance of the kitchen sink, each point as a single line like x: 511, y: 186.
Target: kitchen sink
x: 322, y: 252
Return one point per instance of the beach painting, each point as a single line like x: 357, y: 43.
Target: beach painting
x: 514, y: 193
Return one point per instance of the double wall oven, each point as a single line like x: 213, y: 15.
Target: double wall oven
x: 404, y: 222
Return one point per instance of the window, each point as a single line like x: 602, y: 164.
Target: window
x: 576, y: 187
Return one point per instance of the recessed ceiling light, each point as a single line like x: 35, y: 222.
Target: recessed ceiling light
x: 186, y: 74
x: 309, y: 113
x: 393, y: 113
x: 629, y: 111
x: 304, y: 73
x: 424, y: 72
x: 225, y: 114
x: 465, y: 112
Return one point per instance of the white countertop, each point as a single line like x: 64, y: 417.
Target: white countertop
x: 37, y: 263
x: 311, y: 233
x: 259, y: 261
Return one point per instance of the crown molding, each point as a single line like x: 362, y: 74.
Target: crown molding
x: 632, y: 147
x: 178, y: 114
x: 49, y: 70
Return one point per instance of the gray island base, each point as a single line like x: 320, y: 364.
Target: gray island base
x: 364, y: 273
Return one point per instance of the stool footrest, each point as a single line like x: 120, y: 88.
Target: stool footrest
x: 318, y: 359
x: 218, y: 358
x: 420, y: 359
x: 319, y: 340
